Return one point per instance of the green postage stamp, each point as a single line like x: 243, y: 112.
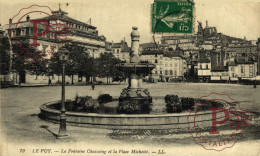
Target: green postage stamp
x: 172, y: 16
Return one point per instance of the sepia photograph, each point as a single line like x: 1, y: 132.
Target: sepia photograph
x: 130, y: 77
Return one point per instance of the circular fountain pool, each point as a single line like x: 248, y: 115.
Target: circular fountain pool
x: 107, y: 117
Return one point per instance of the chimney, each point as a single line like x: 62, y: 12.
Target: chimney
x: 10, y: 21
x: 27, y: 18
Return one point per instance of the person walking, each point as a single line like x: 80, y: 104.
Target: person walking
x: 49, y: 83
x: 93, y: 85
x: 255, y: 83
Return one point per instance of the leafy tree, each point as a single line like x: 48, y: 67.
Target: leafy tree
x: 79, y: 62
x: 27, y: 59
x: 107, y: 66
x: 5, y: 56
x: 89, y: 68
x: 76, y: 58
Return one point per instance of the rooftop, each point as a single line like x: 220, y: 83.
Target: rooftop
x: 170, y: 54
x: 152, y: 52
x: 203, y: 60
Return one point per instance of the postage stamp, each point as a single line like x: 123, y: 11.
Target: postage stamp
x: 28, y: 43
x: 172, y: 17
x: 227, y: 124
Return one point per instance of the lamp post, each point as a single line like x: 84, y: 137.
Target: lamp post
x: 62, y: 131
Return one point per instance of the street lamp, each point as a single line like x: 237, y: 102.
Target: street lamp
x: 62, y: 131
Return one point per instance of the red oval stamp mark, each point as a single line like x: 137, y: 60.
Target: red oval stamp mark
x: 216, y: 121
x: 38, y: 39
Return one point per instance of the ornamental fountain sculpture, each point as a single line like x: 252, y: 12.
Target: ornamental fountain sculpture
x: 134, y: 99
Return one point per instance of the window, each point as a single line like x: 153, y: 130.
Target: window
x: 200, y: 66
x: 160, y: 72
x: 156, y: 61
x: 242, y: 69
x: 156, y: 72
x: 232, y: 68
x: 166, y: 72
x: 171, y: 73
x: 23, y: 32
x: 118, y: 51
x: 207, y: 66
x: 166, y: 64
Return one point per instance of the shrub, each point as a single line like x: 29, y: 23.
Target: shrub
x: 187, y: 103
x: 128, y: 107
x: 104, y: 98
x: 172, y: 104
x: 69, y: 105
x: 85, y: 104
x: 134, y: 106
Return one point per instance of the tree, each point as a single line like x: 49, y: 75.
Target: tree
x: 76, y: 58
x: 89, y: 68
x: 107, y: 66
x: 79, y: 63
x: 27, y: 59
x: 5, y: 56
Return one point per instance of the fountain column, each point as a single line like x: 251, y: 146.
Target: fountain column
x: 134, y: 99
x: 134, y: 55
x: 135, y: 78
x: 134, y: 58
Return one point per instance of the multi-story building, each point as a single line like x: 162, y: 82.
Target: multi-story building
x: 245, y: 50
x: 121, y: 51
x: 169, y: 66
x: 204, y: 69
x: 174, y: 67
x: 174, y: 40
x: 155, y: 57
x: 242, y: 69
x: 78, y: 32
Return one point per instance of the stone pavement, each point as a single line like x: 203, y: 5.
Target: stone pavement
x: 20, y: 124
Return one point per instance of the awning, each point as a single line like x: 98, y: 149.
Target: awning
x: 234, y: 79
x: 215, y: 78
x: 224, y: 77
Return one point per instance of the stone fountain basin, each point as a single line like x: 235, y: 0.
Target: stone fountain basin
x: 131, y: 121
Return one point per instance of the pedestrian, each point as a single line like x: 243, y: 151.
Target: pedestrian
x: 93, y: 85
x: 49, y: 82
x: 255, y: 84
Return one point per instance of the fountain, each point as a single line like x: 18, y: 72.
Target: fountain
x: 134, y: 99
x: 132, y: 110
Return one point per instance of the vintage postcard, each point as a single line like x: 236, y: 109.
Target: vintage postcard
x: 130, y: 77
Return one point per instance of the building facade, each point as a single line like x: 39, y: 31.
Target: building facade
x: 204, y: 70
x: 242, y: 69
x: 169, y: 67
x: 121, y: 51
x: 67, y: 31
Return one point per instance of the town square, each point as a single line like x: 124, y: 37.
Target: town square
x: 162, y: 77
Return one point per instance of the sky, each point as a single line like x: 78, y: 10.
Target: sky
x: 115, y: 18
